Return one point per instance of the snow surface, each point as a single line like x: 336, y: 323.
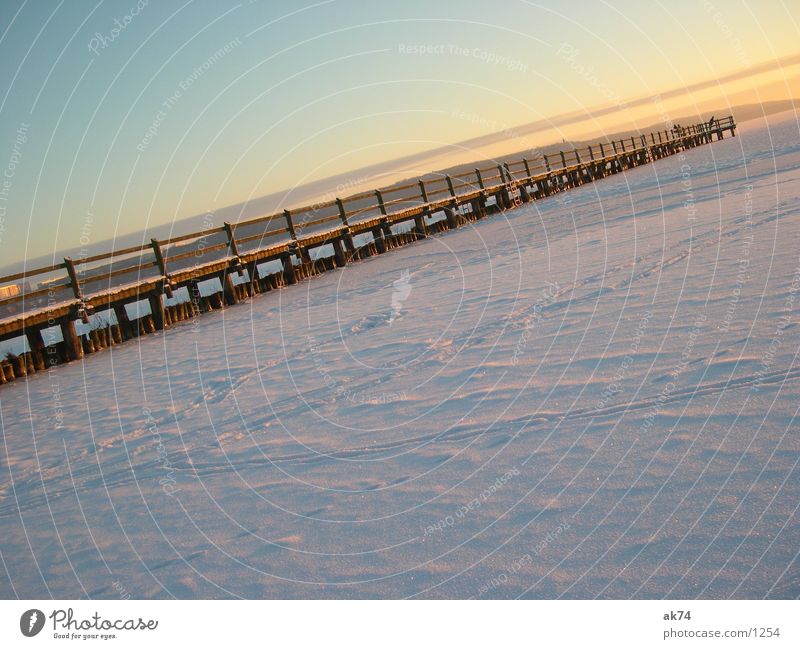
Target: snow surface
x: 590, y: 396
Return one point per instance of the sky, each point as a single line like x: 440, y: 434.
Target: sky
x: 120, y: 115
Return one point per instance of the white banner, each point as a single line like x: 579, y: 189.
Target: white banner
x: 402, y: 624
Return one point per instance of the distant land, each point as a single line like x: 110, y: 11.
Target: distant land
x: 338, y: 185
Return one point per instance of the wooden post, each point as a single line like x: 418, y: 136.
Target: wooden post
x: 124, y: 322
x: 381, y: 204
x: 73, y: 278
x: 342, y: 211
x: 504, y: 196
x: 348, y: 239
x: 386, y: 229
x: 450, y: 216
x: 480, y: 178
x: 19, y: 365
x: 505, y: 193
x: 156, y: 309
x: 377, y: 237
x: 527, y: 168
x: 475, y: 208
x: 288, y: 268
x: 338, y: 253
x: 577, y: 156
x: 228, y: 289
x: 563, y: 160
x: 547, y: 163
x: 450, y: 186
x: 232, y: 246
x: 162, y: 266
x: 423, y: 191
x: 36, y: 343
x: 420, y: 229
x: 115, y: 332
x: 302, y: 252
x: 252, y: 287
x: 71, y: 340
x: 289, y: 224
x: 602, y: 151
x: 159, y: 255
x: 195, y: 298
x: 29, y: 366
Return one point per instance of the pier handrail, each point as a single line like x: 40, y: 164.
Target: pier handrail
x: 335, y: 212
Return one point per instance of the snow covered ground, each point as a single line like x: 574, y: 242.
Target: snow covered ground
x: 594, y: 395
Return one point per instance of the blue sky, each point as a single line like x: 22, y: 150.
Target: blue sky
x: 116, y: 116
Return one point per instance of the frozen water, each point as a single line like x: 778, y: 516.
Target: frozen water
x: 594, y: 395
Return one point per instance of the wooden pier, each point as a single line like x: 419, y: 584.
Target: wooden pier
x: 81, y: 306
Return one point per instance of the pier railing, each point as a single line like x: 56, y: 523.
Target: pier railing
x: 82, y: 305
